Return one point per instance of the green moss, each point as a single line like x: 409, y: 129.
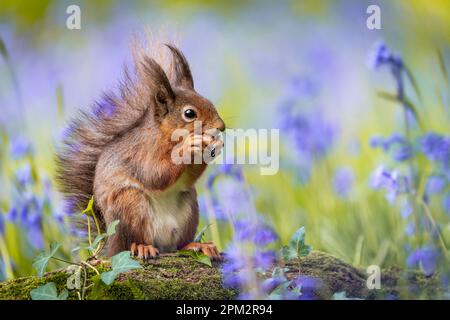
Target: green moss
x: 169, y: 277
x: 174, y: 277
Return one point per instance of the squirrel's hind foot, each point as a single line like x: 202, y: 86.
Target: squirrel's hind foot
x: 143, y: 251
x: 207, y: 248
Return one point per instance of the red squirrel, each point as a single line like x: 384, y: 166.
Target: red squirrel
x: 120, y: 152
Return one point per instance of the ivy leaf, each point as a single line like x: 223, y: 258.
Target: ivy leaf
x: 48, y: 292
x: 297, y: 247
x: 278, y: 272
x: 41, y: 261
x: 89, y: 211
x: 197, y: 256
x: 199, y: 236
x: 112, y: 228
x: 120, y: 263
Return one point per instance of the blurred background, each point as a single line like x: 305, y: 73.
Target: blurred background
x: 300, y: 66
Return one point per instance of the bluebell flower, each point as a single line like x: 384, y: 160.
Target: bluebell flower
x: 247, y: 255
x: 393, y: 183
x: 254, y: 231
x: 343, y: 181
x: 311, y: 134
x: 264, y: 259
x: 206, y: 204
x: 446, y: 203
x: 410, y: 228
x: 437, y: 148
x: 301, y: 87
x: 23, y: 175
x: 397, y: 145
x: 309, y: 287
x: 20, y: 147
x: 2, y: 224
x: 435, y: 184
x: 269, y: 284
x: 231, y: 196
x: 426, y: 258
x: 28, y: 213
x: 406, y: 209
x: 380, y: 55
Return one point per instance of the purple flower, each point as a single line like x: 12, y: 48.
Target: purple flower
x: 270, y: 284
x: 256, y: 232
x: 311, y: 134
x: 20, y: 147
x: 436, y: 148
x: 410, y: 229
x: 392, y: 182
x: 446, y: 203
x: 2, y: 224
x: 206, y: 204
x: 233, y: 198
x: 406, y: 209
x: 263, y: 259
x: 308, y: 286
x: 397, y: 145
x: 435, y: 184
x: 23, y: 175
x: 380, y: 55
x: 426, y: 258
x: 343, y: 181
x: 28, y: 212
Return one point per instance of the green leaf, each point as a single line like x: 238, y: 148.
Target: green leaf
x: 96, y: 241
x: 442, y: 64
x: 197, y: 256
x: 41, y: 261
x: 199, y: 236
x: 3, y: 50
x: 413, y: 81
x: 289, y: 253
x: 297, y: 247
x: 120, y: 263
x: 89, y: 211
x: 112, y: 228
x: 278, y: 272
x: 48, y: 292
x: 406, y: 103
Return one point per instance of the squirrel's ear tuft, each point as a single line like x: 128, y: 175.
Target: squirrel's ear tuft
x: 160, y: 84
x: 181, y: 72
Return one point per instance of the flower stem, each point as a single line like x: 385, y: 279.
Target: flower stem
x: 433, y: 222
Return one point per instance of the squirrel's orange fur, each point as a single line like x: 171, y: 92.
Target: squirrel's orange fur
x: 120, y: 152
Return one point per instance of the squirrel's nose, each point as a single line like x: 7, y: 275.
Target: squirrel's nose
x: 219, y: 125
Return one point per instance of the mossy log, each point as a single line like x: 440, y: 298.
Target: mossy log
x: 176, y: 277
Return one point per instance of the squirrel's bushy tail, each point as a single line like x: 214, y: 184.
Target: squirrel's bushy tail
x: 91, y: 131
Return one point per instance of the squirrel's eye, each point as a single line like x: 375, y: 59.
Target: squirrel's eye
x: 189, y: 114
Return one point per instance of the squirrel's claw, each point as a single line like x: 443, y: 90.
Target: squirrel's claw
x: 207, y: 248
x: 143, y: 251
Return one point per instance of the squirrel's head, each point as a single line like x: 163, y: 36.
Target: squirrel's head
x: 177, y: 104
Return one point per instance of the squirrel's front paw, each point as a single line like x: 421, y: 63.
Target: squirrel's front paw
x: 207, y: 248
x: 143, y: 251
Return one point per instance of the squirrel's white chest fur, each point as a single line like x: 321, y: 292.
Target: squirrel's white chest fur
x: 170, y: 216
